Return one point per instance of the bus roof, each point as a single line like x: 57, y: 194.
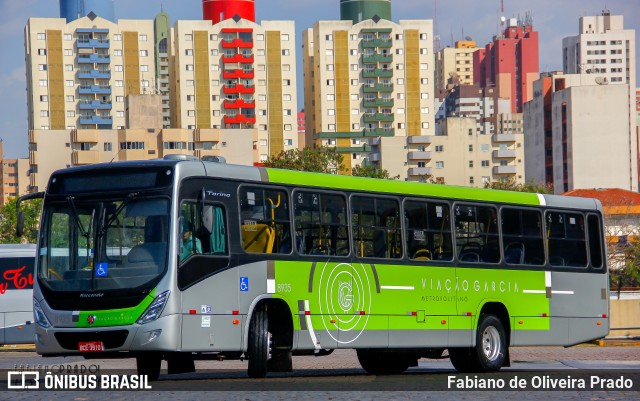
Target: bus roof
x: 190, y: 167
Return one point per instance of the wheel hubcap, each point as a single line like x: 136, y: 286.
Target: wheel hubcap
x: 491, y: 343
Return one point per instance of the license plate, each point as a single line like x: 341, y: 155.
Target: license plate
x: 91, y: 346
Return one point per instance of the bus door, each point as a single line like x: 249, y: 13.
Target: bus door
x: 210, y: 317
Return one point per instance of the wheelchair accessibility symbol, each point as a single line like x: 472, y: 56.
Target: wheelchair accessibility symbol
x: 244, y: 284
x: 102, y: 270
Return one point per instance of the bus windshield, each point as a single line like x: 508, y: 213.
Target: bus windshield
x: 97, y: 245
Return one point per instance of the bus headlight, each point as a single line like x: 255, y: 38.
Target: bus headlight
x: 155, y: 309
x: 39, y: 315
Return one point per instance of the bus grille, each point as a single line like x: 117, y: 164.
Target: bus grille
x: 110, y: 339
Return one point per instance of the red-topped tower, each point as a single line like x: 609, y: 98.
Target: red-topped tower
x: 220, y: 10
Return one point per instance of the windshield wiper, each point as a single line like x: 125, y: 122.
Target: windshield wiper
x: 76, y: 218
x: 115, y: 214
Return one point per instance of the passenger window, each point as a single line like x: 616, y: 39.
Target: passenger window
x: 376, y: 228
x: 477, y: 234
x: 522, y: 239
x: 566, y: 236
x: 195, y: 239
x: 595, y: 241
x: 264, y: 218
x: 320, y: 224
x: 428, y: 230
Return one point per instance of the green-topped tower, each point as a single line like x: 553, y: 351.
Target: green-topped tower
x: 360, y: 10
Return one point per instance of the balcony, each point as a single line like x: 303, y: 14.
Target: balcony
x: 84, y: 135
x: 93, y: 44
x: 236, y: 43
x: 419, y: 155
x: 238, y: 89
x: 377, y: 72
x: 377, y: 58
x: 96, y: 120
x: 239, y: 119
x: 95, y: 105
x: 378, y: 88
x: 92, y: 30
x: 375, y: 157
x: 239, y: 104
x: 503, y: 138
x: 383, y: 43
x: 206, y: 135
x: 240, y: 74
x: 373, y: 132
x: 378, y: 103
x: 501, y: 170
x: 93, y: 59
x: 419, y: 171
x: 80, y: 157
x: 378, y: 117
x: 355, y: 149
x: 94, y: 74
x: 94, y: 90
x: 419, y: 139
x: 238, y: 58
x: 504, y: 154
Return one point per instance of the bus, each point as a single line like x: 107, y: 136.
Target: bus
x: 16, y: 293
x: 209, y: 260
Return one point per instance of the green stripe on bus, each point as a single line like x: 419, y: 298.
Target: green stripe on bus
x: 330, y: 181
x: 353, y: 297
x: 115, y: 317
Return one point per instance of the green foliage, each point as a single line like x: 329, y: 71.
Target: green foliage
x: 629, y: 275
x: 372, y: 172
x: 529, y: 186
x: 317, y: 160
x: 8, y: 221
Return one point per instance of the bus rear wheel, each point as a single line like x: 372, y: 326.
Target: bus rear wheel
x: 383, y: 363
x: 489, y: 353
x: 149, y: 365
x: 259, y: 347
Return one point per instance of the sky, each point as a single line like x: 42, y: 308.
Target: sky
x: 456, y: 19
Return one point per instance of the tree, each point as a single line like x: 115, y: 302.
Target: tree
x: 511, y: 185
x: 8, y: 221
x: 317, y: 160
x: 372, y: 172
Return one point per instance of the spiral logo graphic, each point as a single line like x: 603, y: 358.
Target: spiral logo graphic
x: 344, y: 290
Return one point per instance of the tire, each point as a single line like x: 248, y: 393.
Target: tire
x: 149, y: 365
x: 383, y: 363
x: 490, y: 351
x: 258, y: 351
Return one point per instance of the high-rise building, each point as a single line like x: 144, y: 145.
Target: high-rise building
x: 577, y: 134
x: 369, y: 88
x: 162, y: 28
x: 71, y: 10
x: 301, y: 128
x: 79, y: 73
x: 220, y: 10
x: 510, y: 63
x: 454, y: 65
x: 478, y: 138
x: 237, y: 76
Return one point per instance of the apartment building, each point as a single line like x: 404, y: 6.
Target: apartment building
x: 369, y: 88
x: 454, y: 65
x: 14, y: 177
x: 577, y: 134
x: 79, y: 73
x: 162, y: 30
x: 238, y: 76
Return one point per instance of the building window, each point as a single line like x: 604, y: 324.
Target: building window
x: 44, y: 113
x: 485, y: 163
x: 43, y: 82
x: 470, y: 148
x: 117, y: 37
x: 44, y: 98
x: 70, y: 98
x: 285, y: 97
x: 439, y: 165
x: 329, y: 82
x: 190, y: 67
x: 328, y: 38
x: 107, y: 147
x: 260, y: 37
x: 188, y: 52
x: 471, y: 180
x: 68, y: 36
x: 142, y: 38
x: 285, y: 52
x: 42, y: 52
x: 470, y: 163
x: 144, y: 53
x: 188, y: 37
x: 439, y: 148
x: 331, y: 112
x: 287, y: 127
x: 71, y: 113
x: 68, y: 67
x: 68, y: 83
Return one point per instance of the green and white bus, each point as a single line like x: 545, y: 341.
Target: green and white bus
x: 181, y: 259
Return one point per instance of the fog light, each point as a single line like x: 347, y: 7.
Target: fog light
x: 153, y: 335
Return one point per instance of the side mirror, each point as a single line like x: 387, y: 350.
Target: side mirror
x: 20, y: 215
x: 20, y: 224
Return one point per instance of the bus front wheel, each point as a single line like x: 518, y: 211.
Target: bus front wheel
x: 259, y: 347
x: 149, y: 365
x: 488, y: 355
